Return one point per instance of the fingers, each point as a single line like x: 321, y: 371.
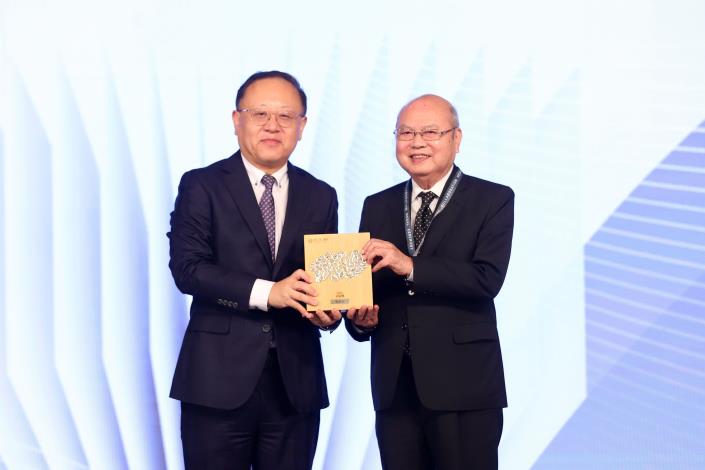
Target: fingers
x: 381, y: 254
x: 302, y: 275
x: 378, y: 249
x: 374, y: 242
x: 305, y: 288
x: 372, y: 316
x: 362, y: 315
x: 300, y: 308
x: 303, y: 298
x: 335, y: 315
x: 374, y: 248
x: 365, y: 317
x: 325, y: 319
x: 301, y: 292
x: 292, y: 291
x: 382, y: 263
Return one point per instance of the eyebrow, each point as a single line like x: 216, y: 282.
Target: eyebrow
x: 427, y: 127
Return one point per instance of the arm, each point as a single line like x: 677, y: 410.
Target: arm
x: 192, y: 260
x: 483, y: 275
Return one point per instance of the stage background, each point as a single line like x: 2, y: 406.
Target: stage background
x: 592, y: 111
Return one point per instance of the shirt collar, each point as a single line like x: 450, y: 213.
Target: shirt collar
x: 436, y: 189
x: 255, y: 174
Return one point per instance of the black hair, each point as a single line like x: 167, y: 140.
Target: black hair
x: 271, y: 74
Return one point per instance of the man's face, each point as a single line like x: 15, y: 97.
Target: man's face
x: 268, y: 145
x: 427, y: 161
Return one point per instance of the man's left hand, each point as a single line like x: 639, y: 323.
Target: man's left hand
x: 324, y: 320
x: 382, y: 254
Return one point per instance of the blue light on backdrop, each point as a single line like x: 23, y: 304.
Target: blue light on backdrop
x: 592, y: 111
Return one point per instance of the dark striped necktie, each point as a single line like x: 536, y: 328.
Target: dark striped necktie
x: 266, y: 206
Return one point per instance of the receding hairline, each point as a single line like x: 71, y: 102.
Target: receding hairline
x: 455, y: 121
x: 258, y: 76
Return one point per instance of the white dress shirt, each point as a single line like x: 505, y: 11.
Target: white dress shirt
x: 436, y: 189
x: 280, y: 192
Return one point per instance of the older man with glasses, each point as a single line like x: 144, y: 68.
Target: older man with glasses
x: 250, y: 373
x: 439, y: 253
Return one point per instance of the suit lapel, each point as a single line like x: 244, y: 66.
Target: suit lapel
x: 393, y: 219
x: 297, y: 201
x: 446, y: 220
x: 240, y: 189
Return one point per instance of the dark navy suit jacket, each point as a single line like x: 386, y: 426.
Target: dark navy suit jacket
x: 449, y: 311
x: 218, y: 248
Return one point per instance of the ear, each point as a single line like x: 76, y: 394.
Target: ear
x: 236, y: 120
x: 457, y: 137
x: 300, y: 130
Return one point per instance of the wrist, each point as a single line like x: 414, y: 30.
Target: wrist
x: 364, y: 329
x: 409, y: 274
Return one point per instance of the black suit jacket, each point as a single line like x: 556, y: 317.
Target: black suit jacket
x: 449, y: 310
x: 218, y: 248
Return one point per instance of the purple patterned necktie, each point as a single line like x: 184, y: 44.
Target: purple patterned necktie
x: 423, y: 216
x: 266, y: 206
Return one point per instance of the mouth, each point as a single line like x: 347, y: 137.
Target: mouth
x: 419, y: 157
x: 270, y: 141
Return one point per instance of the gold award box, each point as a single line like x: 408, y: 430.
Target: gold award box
x: 341, y: 276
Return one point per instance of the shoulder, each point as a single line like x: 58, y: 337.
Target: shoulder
x: 391, y: 193
x: 209, y: 172
x: 486, y: 187
x: 311, y: 182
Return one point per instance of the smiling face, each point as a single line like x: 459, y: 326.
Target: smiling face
x: 428, y: 161
x: 268, y: 146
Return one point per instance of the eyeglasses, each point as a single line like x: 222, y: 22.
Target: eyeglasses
x: 261, y: 116
x: 429, y: 135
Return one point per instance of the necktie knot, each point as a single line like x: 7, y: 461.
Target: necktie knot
x: 426, y: 198
x: 268, y: 181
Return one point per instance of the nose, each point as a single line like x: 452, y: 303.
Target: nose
x: 417, y: 141
x: 272, y: 125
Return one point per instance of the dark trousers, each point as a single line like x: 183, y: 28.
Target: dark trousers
x: 412, y: 437
x: 266, y: 433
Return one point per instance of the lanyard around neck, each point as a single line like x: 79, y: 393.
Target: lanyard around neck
x: 455, y: 179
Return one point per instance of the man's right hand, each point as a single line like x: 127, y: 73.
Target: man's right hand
x: 290, y: 291
x: 365, y: 318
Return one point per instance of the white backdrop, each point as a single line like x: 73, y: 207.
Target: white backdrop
x: 590, y: 111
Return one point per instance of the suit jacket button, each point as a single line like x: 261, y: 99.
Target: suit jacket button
x: 266, y: 328
x: 411, y: 292
x: 234, y: 305
x: 404, y: 326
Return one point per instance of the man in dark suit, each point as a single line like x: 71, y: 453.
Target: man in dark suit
x: 250, y: 373
x: 440, y: 248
